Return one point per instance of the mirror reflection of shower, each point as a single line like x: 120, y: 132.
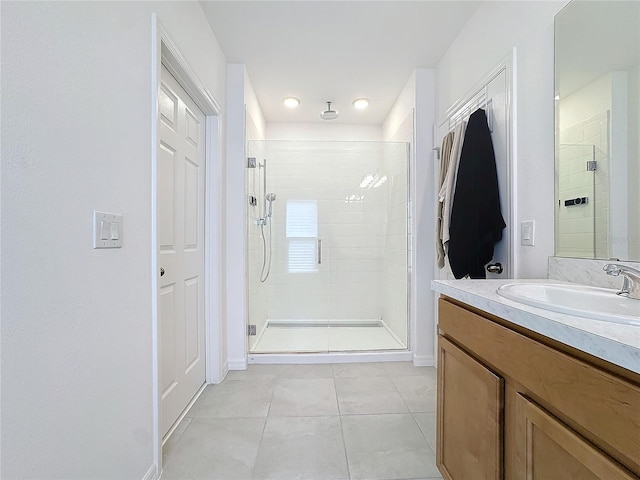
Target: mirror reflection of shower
x: 266, y: 220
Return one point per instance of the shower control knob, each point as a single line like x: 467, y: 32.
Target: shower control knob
x: 162, y: 271
x: 494, y: 268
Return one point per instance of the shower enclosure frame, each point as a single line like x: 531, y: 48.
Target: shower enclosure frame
x: 329, y: 355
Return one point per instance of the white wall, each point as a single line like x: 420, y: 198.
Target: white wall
x: 411, y: 119
x: 395, y: 127
x: 256, y: 124
x: 77, y: 396
x: 236, y: 225
x: 490, y: 35
x: 335, y: 132
x: 424, y: 212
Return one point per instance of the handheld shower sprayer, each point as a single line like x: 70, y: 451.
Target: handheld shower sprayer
x: 266, y: 259
x: 270, y: 197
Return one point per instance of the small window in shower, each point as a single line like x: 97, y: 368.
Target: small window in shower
x: 302, y: 232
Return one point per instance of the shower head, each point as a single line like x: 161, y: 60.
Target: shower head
x: 329, y: 114
x: 270, y: 197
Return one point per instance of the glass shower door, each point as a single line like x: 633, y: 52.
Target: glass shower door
x: 338, y: 278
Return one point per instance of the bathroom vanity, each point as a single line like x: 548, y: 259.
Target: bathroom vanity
x: 524, y: 393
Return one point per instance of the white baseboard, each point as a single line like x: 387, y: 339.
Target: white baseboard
x: 237, y: 364
x: 152, y: 473
x: 423, y: 360
x: 225, y: 370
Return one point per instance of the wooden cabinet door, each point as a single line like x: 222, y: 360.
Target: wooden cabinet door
x: 470, y: 417
x: 551, y: 450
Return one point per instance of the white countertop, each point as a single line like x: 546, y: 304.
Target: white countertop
x: 615, y: 343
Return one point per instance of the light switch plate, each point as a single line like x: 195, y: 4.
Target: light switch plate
x: 528, y: 233
x: 107, y: 230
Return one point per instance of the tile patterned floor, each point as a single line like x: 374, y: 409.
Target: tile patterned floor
x: 357, y: 421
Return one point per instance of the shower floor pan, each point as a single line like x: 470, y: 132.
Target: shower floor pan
x: 313, y: 336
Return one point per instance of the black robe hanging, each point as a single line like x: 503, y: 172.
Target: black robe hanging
x: 476, y: 220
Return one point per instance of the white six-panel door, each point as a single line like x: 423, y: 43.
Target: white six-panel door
x: 180, y: 202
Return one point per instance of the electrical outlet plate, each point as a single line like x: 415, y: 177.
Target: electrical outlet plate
x: 107, y: 230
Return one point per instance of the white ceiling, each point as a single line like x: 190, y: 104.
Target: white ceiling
x: 334, y: 51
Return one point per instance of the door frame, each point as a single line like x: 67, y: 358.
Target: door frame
x: 165, y: 52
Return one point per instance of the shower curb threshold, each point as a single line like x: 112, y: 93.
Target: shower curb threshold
x: 328, y: 357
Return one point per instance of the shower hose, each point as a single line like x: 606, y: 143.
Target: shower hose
x: 266, y: 265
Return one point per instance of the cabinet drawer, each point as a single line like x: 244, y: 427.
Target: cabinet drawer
x: 603, y: 408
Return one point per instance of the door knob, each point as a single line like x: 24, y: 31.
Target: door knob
x: 494, y: 268
x: 162, y: 271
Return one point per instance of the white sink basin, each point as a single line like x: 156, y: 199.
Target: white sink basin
x: 580, y: 300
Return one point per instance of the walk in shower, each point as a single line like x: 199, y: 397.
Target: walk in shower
x: 328, y: 246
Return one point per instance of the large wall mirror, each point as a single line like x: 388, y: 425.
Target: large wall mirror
x: 597, y: 85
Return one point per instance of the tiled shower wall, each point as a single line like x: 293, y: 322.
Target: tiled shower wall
x: 346, y: 285
x: 352, y: 197
x: 582, y: 229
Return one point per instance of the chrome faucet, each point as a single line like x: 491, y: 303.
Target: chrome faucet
x: 631, y: 283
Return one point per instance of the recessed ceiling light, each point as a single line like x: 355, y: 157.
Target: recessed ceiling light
x: 291, y: 102
x: 361, y: 103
